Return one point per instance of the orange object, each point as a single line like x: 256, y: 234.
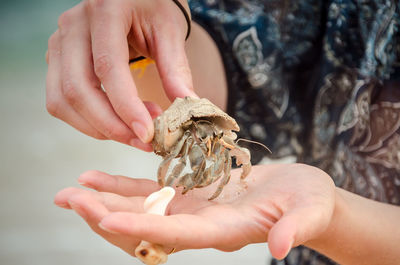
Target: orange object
x: 141, y: 65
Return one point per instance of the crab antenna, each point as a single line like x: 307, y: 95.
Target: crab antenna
x: 254, y: 142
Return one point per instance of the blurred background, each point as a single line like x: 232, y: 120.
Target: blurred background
x: 41, y: 155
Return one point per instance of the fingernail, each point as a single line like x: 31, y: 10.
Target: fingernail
x: 193, y: 94
x: 63, y: 205
x: 82, y: 183
x: 141, y: 131
x: 106, y: 229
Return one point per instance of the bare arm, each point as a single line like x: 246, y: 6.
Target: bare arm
x: 362, y: 231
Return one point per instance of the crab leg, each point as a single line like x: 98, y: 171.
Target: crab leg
x: 229, y: 146
x: 227, y: 175
x: 213, y: 173
x: 242, y: 158
x: 197, y: 163
x: 184, y: 180
x: 194, y: 178
x: 199, y: 175
x: 163, y: 168
x: 177, y: 170
x: 209, y: 142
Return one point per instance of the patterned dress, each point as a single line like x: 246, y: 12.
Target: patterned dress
x: 318, y: 80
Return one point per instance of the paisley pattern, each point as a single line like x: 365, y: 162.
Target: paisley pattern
x: 318, y: 80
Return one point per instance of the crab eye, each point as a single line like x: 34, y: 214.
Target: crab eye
x: 203, y: 136
x: 219, y: 135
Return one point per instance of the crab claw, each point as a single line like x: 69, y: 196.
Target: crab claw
x: 242, y: 158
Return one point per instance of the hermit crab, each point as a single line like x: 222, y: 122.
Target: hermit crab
x: 199, y: 138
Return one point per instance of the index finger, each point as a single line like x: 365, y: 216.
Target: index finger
x: 109, y: 29
x: 121, y: 185
x: 182, y: 231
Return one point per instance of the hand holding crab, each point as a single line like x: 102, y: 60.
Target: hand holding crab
x: 286, y: 205
x: 89, y: 52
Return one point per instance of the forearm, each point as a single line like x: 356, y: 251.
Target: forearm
x: 362, y: 231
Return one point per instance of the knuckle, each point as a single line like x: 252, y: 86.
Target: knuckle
x: 68, y: 18
x: 65, y: 20
x: 71, y: 190
x: 113, y: 132
x: 95, y: 4
x: 102, y: 66
x: 52, y: 107
x: 99, y: 136
x: 70, y: 91
x: 52, y: 43
x: 183, y: 69
x: 120, y: 108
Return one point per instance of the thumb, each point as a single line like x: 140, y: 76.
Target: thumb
x: 173, y: 66
x: 295, y: 228
x: 281, y: 237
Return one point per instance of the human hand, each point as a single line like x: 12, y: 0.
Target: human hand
x: 92, y: 47
x: 284, y: 205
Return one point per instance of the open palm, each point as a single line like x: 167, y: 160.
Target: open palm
x: 286, y: 205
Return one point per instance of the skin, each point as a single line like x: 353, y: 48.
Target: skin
x: 92, y: 46
x: 284, y: 205
x: 267, y: 210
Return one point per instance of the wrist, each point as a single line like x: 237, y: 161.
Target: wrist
x: 323, y: 242
x: 352, y: 236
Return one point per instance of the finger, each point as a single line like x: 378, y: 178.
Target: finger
x: 153, y: 108
x: 171, y: 59
x: 147, y: 147
x: 182, y: 231
x: 92, y: 211
x: 294, y: 228
x: 112, y: 202
x: 121, y: 185
x: 79, y: 200
x: 110, y: 25
x: 281, y: 237
x: 55, y: 102
x: 80, y: 85
x: 173, y: 65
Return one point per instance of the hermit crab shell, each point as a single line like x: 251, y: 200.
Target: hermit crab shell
x: 168, y: 126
